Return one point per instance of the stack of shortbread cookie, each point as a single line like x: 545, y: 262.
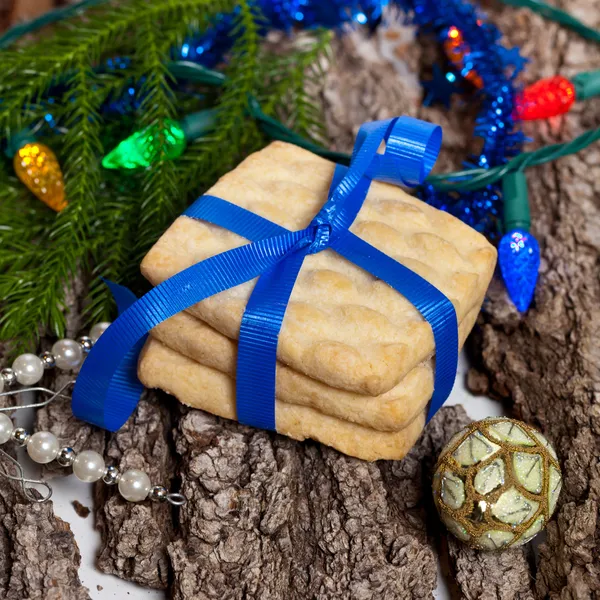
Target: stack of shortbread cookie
x: 355, y: 358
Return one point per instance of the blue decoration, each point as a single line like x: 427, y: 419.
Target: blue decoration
x: 125, y: 103
x: 513, y: 58
x: 107, y: 389
x: 129, y: 100
x: 496, y: 67
x: 484, y: 56
x: 209, y: 48
x: 439, y: 88
x: 519, y: 258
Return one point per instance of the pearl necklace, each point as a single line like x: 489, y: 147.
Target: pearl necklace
x: 43, y: 447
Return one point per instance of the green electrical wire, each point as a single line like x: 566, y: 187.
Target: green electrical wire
x: 474, y: 179
x: 467, y: 180
x: 276, y: 130
x: 559, y: 16
x: 587, y: 84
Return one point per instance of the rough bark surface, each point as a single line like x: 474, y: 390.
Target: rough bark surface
x: 135, y: 536
x: 39, y: 557
x: 271, y: 518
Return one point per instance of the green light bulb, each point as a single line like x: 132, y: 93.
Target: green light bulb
x: 141, y: 148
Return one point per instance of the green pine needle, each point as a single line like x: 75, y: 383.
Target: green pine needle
x: 113, y: 218
x: 236, y: 134
x: 158, y: 196
x: 289, y: 82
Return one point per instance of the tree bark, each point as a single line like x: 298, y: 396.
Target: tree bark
x: 135, y: 536
x: 39, y: 557
x: 268, y: 517
x: 546, y: 364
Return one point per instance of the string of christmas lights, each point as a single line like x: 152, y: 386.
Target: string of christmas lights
x: 490, y: 190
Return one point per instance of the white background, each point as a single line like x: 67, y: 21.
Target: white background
x: 67, y: 489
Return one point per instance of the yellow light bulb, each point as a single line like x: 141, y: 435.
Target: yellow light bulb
x: 37, y: 167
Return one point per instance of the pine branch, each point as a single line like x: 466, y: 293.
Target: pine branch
x: 92, y: 36
x: 20, y: 222
x: 236, y: 133
x: 70, y: 238
x: 50, y: 60
x: 290, y: 83
x: 33, y: 289
x: 159, y: 191
x: 81, y: 149
x: 118, y: 214
x: 161, y: 197
x: 113, y: 218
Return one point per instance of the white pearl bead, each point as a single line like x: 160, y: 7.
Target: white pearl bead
x: 42, y: 447
x: 6, y: 428
x: 68, y: 354
x: 89, y: 466
x: 134, y: 485
x: 28, y: 368
x: 98, y: 329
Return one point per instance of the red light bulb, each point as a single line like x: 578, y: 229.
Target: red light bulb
x: 545, y: 98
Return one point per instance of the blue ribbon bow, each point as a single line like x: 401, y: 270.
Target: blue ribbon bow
x: 107, y: 389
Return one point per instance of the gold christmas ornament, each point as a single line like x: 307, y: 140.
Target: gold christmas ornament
x: 496, y: 483
x: 37, y: 167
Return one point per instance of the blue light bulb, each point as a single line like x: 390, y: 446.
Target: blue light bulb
x: 519, y: 258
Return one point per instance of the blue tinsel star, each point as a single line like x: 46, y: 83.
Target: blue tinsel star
x: 512, y: 57
x: 440, y: 88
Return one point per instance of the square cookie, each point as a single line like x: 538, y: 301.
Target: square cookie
x: 343, y: 326
x: 211, y: 390
x: 391, y: 411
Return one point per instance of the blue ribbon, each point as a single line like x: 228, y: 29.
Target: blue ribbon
x: 107, y: 389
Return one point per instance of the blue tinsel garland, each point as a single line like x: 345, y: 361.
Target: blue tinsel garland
x: 496, y: 65
x: 496, y: 68
x: 483, y: 60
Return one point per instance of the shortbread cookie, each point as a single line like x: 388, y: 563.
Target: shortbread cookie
x: 343, y: 326
x: 391, y: 411
x: 208, y: 389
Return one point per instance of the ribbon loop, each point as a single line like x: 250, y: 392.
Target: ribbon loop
x: 107, y: 389
x: 411, y: 150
